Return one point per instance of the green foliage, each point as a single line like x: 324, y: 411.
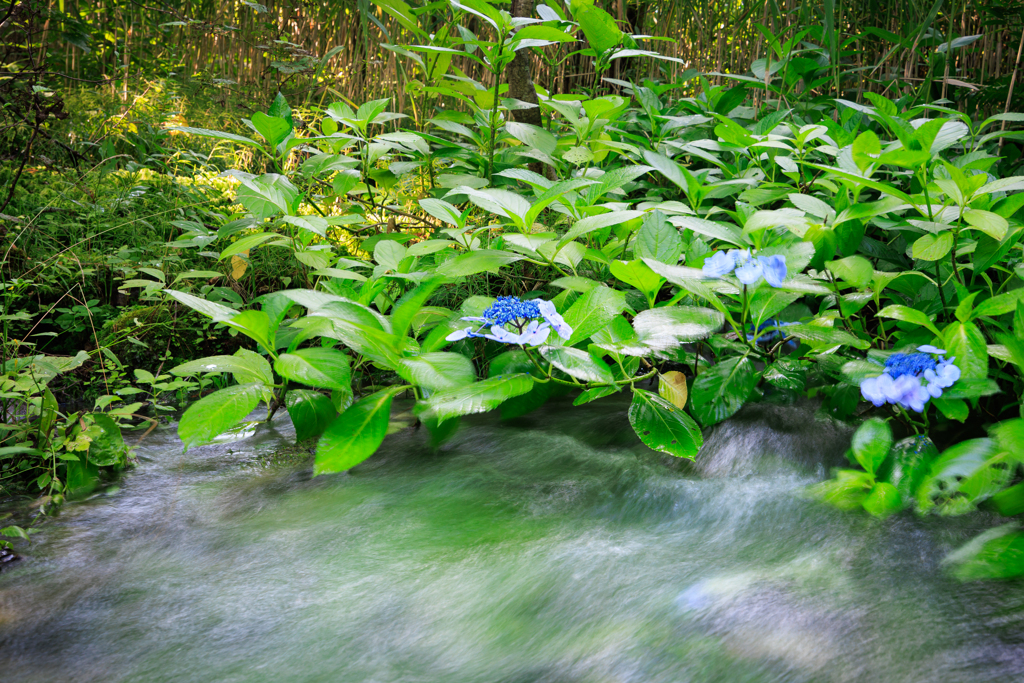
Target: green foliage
x: 348, y: 246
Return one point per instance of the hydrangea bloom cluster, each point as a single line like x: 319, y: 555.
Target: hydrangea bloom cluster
x: 510, y: 311
x: 749, y: 269
x: 911, y: 379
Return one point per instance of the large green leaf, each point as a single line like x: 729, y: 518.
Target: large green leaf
x: 638, y: 274
x: 966, y: 343
x: 722, y: 389
x: 411, y: 302
x: 598, y: 26
x: 356, y: 434
x: 311, y: 412
x: 532, y: 136
x: 108, y: 449
x: 871, y: 443
x: 910, y: 315
x: 274, y: 129
x: 578, y: 363
x: 883, y: 500
x: 662, y: 426
x: 591, y: 223
x: 438, y: 371
x: 592, y: 311
x: 658, y: 239
x: 933, y: 247
x: 479, y: 397
x: 218, y: 412
x: 674, y: 325
x: 246, y: 368
x: 316, y: 367
x: 474, y: 262
x: 218, y: 312
x: 246, y: 243
x: 854, y: 270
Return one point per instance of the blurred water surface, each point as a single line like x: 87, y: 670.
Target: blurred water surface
x: 553, y: 549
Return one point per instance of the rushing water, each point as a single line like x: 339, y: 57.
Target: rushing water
x: 550, y: 549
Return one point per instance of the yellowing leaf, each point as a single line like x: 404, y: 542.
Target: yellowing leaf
x: 239, y: 265
x: 672, y: 388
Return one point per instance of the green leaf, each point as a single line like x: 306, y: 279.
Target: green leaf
x: 311, y: 412
x: 667, y: 167
x: 279, y: 108
x: 909, y: 315
x: 675, y: 325
x: 246, y: 367
x: 952, y: 408
x: 316, y: 367
x: 442, y: 211
x: 474, y: 262
x: 598, y: 26
x: 816, y: 335
x: 638, y: 274
x: 541, y: 32
x: 108, y: 449
x: 933, y: 247
x: 847, y: 491
x: 594, y: 394
x: 273, y: 129
x: 479, y: 397
x: 971, y: 388
x: 721, y: 390
x: 218, y: 412
x: 591, y: 223
x: 854, y: 270
x: 658, y: 239
x: 532, y: 136
x: 767, y: 302
x: 662, y: 426
x: 999, y: 304
x: 871, y: 443
x: 356, y: 434
x: 220, y: 135
x: 995, y: 554
x: 411, y: 302
x: 966, y: 343
x: 592, y: 311
x: 438, y: 371
x: 218, y: 312
x: 992, y: 224
x: 719, y: 231
x: 578, y: 363
x: 883, y: 500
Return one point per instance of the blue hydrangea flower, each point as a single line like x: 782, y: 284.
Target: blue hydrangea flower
x: 721, y: 263
x: 749, y: 269
x: 909, y: 380
x: 510, y: 311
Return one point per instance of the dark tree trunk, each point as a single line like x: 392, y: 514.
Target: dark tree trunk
x: 520, y: 82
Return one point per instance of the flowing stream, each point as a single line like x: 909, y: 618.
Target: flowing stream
x: 549, y: 549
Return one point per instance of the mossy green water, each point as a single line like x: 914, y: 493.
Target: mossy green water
x: 549, y: 548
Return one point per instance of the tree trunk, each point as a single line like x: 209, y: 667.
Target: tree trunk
x: 520, y: 82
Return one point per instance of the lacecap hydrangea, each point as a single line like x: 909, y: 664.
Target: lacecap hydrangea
x: 910, y: 380
x: 530, y: 321
x: 748, y: 268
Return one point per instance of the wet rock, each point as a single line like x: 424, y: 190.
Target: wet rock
x: 7, y: 558
x: 767, y: 439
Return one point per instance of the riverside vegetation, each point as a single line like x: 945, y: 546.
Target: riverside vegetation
x: 697, y: 244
